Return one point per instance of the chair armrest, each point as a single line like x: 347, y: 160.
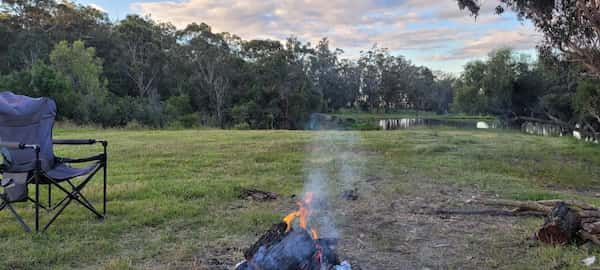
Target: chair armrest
x: 18, y: 145
x: 74, y: 141
x: 99, y: 157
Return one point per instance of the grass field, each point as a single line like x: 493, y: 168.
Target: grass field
x: 174, y: 198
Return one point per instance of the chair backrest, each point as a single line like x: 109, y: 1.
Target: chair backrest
x: 27, y: 120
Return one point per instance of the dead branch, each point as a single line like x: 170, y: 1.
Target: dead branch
x: 520, y: 205
x: 489, y: 212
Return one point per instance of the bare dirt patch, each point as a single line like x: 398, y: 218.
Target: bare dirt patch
x: 387, y: 230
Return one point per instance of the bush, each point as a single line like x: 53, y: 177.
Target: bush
x: 177, y: 107
x: 587, y: 99
x: 189, y: 120
x: 368, y: 125
x: 133, y: 124
x: 148, y: 112
x: 242, y: 126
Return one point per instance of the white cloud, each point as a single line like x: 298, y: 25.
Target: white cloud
x: 520, y: 39
x: 98, y: 7
x: 397, y: 25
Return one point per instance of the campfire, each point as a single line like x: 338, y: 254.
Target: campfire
x: 289, y: 247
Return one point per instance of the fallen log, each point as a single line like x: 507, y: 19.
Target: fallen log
x: 592, y: 227
x: 519, y: 205
x: 571, y: 203
x: 489, y: 212
x: 561, y: 226
x: 566, y: 222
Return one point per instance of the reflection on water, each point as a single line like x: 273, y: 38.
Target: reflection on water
x: 534, y: 128
x: 404, y: 123
x: 543, y: 129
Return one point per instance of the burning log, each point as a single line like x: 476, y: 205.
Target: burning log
x: 284, y: 247
x: 271, y: 237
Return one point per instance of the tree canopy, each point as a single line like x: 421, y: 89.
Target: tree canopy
x: 139, y: 70
x: 570, y: 27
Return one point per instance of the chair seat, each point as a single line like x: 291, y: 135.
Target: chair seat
x: 62, y: 171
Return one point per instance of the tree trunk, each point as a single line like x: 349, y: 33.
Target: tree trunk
x: 561, y: 226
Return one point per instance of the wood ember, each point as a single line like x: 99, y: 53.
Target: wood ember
x: 257, y: 195
x: 350, y: 195
x: 272, y: 236
x: 566, y: 222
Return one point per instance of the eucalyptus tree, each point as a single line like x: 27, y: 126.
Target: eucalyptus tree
x: 144, y: 45
x: 570, y: 27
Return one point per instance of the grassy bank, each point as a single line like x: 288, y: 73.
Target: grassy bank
x: 174, y: 195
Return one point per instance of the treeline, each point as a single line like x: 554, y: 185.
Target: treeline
x: 517, y: 88
x: 562, y: 88
x: 139, y: 70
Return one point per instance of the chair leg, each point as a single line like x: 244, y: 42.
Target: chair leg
x: 37, y: 203
x: 104, y: 168
x: 56, y: 215
x: 73, y: 196
x: 49, y: 196
x: 80, y: 195
x: 41, y: 206
x: 104, y: 184
x: 19, y: 219
x: 36, y: 172
x: 5, y: 204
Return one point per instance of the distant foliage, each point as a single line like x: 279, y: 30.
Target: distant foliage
x: 571, y: 28
x: 587, y: 100
x: 140, y: 72
x: 517, y: 89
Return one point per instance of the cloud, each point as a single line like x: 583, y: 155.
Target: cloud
x: 352, y: 25
x: 520, y: 39
x: 98, y: 7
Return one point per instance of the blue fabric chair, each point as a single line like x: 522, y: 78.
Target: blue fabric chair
x: 26, y: 145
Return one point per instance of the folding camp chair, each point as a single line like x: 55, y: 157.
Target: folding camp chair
x: 27, y: 148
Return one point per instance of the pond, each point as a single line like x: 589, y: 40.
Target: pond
x: 404, y: 123
x: 534, y: 128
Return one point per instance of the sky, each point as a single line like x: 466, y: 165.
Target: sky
x: 433, y: 33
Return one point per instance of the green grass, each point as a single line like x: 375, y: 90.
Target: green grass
x: 173, y: 195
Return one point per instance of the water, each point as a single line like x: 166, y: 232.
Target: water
x: 404, y: 123
x: 533, y: 128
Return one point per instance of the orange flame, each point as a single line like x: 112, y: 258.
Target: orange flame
x: 302, y: 213
x: 315, y: 234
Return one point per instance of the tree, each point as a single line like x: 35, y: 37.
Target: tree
x: 325, y: 72
x: 83, y: 71
x: 469, y: 92
x: 488, y: 87
x: 570, y: 26
x: 371, y: 64
x: 587, y: 102
x: 80, y: 65
x: 443, y: 92
x: 145, y: 44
